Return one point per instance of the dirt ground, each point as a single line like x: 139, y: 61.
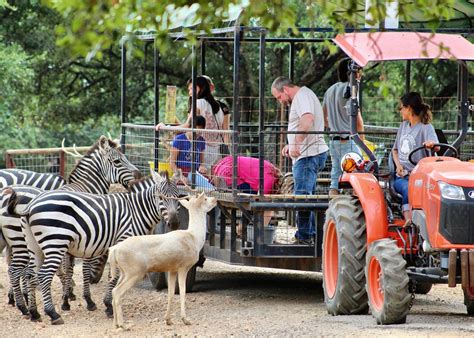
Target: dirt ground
x: 239, y: 301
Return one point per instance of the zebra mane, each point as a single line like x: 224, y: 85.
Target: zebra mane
x: 96, y: 145
x: 147, y: 181
x: 92, y: 149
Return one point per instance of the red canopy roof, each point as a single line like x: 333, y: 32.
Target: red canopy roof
x: 382, y: 46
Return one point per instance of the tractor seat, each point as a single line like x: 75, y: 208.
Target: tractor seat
x: 396, y: 197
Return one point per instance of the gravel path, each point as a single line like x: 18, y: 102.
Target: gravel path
x: 240, y: 301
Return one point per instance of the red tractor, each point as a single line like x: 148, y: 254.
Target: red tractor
x: 371, y: 258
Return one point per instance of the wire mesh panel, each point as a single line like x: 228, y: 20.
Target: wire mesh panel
x: 47, y: 160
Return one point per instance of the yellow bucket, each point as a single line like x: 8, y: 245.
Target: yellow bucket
x: 162, y: 166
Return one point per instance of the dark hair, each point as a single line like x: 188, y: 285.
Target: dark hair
x: 419, y: 107
x: 204, y: 93
x: 200, y: 121
x: 343, y: 70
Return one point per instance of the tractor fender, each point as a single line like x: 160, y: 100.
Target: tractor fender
x: 366, y: 187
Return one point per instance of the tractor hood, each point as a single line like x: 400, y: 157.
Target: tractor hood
x: 447, y: 169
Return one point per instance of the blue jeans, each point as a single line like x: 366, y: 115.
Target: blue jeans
x: 401, y: 186
x: 305, y: 173
x: 337, y: 149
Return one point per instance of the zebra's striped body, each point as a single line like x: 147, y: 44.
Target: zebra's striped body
x: 11, y: 177
x: 87, y: 225
x: 43, y: 181
x: 102, y: 165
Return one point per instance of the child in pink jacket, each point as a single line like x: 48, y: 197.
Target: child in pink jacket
x: 248, y: 174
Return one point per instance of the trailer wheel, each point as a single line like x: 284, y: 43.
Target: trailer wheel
x: 387, y: 283
x: 469, y: 300
x: 344, y: 242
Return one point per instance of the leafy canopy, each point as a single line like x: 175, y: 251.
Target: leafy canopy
x: 96, y: 25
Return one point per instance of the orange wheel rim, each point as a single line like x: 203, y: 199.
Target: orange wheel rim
x: 375, y: 280
x: 331, y: 259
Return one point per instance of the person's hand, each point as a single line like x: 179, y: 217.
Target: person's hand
x: 401, y: 171
x: 429, y: 144
x: 284, y: 151
x: 294, y: 150
x: 202, y: 169
x: 159, y: 125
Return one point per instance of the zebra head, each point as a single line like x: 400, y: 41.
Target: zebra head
x: 167, y: 196
x: 117, y: 168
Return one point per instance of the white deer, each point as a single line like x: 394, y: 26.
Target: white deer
x: 173, y: 252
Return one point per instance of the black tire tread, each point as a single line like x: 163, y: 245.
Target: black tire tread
x: 350, y: 296
x: 469, y: 302
x: 395, y: 282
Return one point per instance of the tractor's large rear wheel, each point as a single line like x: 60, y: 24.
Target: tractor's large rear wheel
x: 344, y: 242
x: 469, y: 300
x: 387, y: 282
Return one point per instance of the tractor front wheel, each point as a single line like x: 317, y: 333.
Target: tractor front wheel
x: 387, y: 282
x: 344, y: 242
x: 469, y: 300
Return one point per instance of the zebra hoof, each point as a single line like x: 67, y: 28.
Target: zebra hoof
x: 58, y: 321
x: 109, y: 312
x: 91, y: 307
x: 24, y: 310
x: 35, y: 317
x: 66, y: 307
x: 72, y: 297
x: 11, y: 300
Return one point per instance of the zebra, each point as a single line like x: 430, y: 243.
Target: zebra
x: 44, y: 181
x: 8, y: 177
x: 86, y: 225
x: 102, y: 165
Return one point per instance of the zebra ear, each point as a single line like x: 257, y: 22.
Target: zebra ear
x: 156, y: 177
x: 104, y: 144
x: 178, y: 176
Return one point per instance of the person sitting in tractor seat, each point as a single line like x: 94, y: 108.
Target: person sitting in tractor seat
x: 415, y: 131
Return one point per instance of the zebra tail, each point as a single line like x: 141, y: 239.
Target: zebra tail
x: 12, y: 200
x: 112, y: 262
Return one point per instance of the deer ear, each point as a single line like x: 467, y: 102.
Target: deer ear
x: 184, y: 203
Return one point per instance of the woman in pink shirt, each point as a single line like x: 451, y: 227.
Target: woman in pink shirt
x: 248, y: 174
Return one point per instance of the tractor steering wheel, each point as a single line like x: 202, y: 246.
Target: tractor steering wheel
x: 430, y: 150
